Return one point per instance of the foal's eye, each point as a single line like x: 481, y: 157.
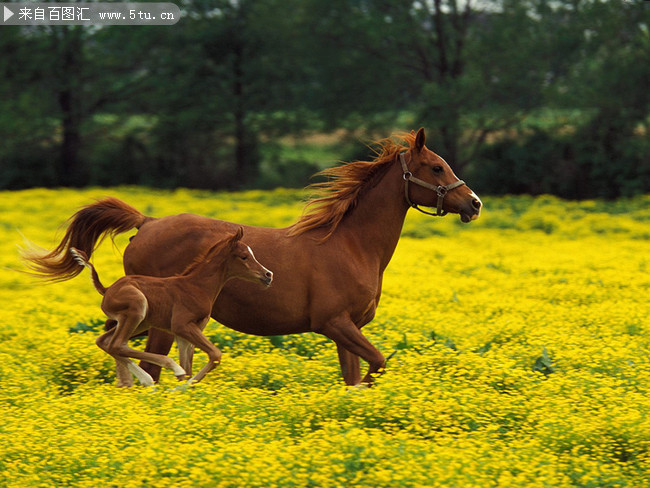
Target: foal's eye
x: 244, y: 258
x: 437, y: 169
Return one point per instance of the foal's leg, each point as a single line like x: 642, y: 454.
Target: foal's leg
x: 161, y: 342
x: 124, y: 367
x: 123, y: 374
x: 185, y: 354
x: 119, y: 347
x: 124, y: 378
x: 130, y: 322
x: 346, y: 334
x: 193, y: 332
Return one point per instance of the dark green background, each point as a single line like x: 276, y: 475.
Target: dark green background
x: 519, y: 96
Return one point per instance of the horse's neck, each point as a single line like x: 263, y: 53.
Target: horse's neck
x: 376, y: 221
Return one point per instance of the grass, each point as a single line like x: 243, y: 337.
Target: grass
x: 522, y: 360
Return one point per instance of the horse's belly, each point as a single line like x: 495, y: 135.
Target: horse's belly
x: 259, y: 325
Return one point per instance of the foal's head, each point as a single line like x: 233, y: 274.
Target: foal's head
x: 238, y: 260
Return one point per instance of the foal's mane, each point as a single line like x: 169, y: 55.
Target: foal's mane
x: 337, y: 196
x: 200, y: 258
x: 222, y: 245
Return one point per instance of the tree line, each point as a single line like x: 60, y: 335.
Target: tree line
x: 520, y: 96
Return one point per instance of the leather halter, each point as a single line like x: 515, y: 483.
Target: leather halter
x: 441, y: 190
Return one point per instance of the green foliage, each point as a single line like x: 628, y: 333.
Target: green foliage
x: 95, y: 326
x: 543, y: 364
x: 570, y: 166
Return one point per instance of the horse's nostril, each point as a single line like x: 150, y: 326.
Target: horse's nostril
x: 269, y: 274
x: 476, y: 204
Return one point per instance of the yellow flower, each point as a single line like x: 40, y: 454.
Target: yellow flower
x: 522, y: 361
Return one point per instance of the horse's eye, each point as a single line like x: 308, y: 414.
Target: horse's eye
x: 244, y: 257
x: 437, y: 169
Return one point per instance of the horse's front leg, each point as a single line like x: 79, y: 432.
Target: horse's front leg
x: 348, y: 337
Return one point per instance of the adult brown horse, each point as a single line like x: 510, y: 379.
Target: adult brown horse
x: 328, y: 266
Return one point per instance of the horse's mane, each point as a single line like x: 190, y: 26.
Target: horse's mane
x: 337, y: 196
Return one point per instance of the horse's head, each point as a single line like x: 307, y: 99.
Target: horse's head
x: 241, y: 262
x: 430, y: 182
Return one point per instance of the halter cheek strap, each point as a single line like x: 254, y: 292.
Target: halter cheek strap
x: 441, y: 190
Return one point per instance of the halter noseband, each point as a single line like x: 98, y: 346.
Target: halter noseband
x: 440, y: 190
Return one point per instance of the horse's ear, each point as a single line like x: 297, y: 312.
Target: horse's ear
x: 420, y: 139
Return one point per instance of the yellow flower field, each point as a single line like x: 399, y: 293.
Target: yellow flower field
x: 523, y: 360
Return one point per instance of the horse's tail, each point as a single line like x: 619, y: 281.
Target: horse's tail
x: 87, y: 228
x: 81, y: 259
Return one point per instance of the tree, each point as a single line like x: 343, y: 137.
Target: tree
x: 222, y: 80
x: 454, y: 66
x: 609, y: 83
x: 26, y: 127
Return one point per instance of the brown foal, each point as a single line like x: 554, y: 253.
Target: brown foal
x: 179, y: 304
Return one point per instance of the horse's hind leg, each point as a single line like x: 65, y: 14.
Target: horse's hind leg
x: 350, y: 368
x: 346, y: 334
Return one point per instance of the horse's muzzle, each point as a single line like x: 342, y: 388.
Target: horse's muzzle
x: 471, y: 210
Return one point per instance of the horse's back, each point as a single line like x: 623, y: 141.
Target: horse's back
x: 166, y: 246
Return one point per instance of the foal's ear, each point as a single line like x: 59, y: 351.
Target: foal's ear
x: 235, y: 238
x: 238, y: 235
x: 420, y: 139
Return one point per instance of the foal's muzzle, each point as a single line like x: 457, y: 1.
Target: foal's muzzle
x: 267, y: 279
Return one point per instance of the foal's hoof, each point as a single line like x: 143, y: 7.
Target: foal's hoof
x: 182, y: 387
x: 357, y: 387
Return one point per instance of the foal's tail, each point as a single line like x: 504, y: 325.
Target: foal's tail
x: 87, y: 228
x: 81, y: 259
